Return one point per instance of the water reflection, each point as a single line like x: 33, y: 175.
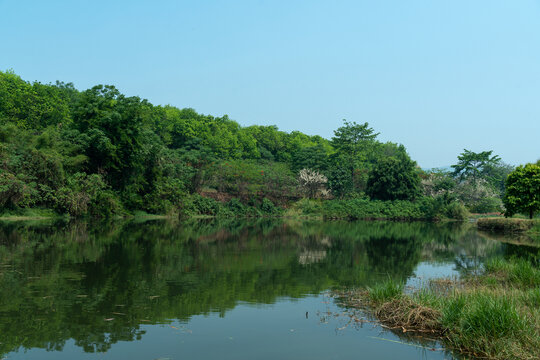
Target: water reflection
x: 99, y: 284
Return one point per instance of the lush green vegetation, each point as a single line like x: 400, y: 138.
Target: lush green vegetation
x: 505, y: 224
x: 101, y: 153
x: 495, y: 315
x: 523, y: 190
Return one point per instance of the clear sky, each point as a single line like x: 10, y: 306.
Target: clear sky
x: 435, y: 75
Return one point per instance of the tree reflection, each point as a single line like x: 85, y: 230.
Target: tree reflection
x: 98, y: 283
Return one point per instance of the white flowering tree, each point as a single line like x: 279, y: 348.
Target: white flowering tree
x: 312, y: 183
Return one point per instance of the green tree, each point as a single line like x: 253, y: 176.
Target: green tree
x: 523, y: 191
x: 475, y: 165
x: 394, y: 179
x: 311, y: 157
x: 353, y: 138
x: 113, y: 124
x: 354, y: 144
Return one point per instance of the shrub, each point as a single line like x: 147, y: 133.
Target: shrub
x: 205, y: 206
x: 456, y: 211
x: 14, y: 192
x: 268, y: 207
x: 364, y: 209
x: 487, y: 205
x: 87, y: 194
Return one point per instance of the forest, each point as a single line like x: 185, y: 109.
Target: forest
x: 101, y: 153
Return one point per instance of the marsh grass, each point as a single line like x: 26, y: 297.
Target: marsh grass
x: 386, y: 291
x: 495, y: 315
x: 515, y: 273
x: 507, y: 225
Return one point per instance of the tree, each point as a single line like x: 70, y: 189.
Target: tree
x: 479, y: 196
x: 354, y: 143
x: 312, y: 182
x: 523, y: 191
x: 474, y: 165
x: 394, y: 179
x: 113, y: 123
x: 312, y: 157
x: 353, y: 138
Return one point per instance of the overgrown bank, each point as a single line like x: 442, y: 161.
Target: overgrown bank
x: 527, y: 227
x: 495, y: 315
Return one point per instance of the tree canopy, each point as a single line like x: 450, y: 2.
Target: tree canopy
x: 99, y: 151
x: 523, y: 191
x: 474, y: 165
x: 394, y: 178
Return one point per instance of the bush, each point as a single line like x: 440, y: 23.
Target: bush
x: 205, y: 206
x: 87, y: 195
x: 487, y: 205
x: 268, y: 207
x: 456, y: 211
x: 309, y: 207
x: 364, y: 209
x: 14, y: 192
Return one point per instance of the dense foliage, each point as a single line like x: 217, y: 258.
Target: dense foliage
x: 98, y: 152
x: 101, y: 153
x: 523, y: 191
x: 477, y: 182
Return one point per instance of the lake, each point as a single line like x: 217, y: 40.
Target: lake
x: 210, y: 289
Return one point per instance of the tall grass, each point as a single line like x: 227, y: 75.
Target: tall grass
x: 510, y: 225
x: 495, y: 315
x: 386, y: 291
x: 517, y: 272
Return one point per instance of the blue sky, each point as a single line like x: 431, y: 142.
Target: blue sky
x: 435, y: 75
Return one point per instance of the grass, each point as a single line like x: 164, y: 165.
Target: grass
x: 385, y: 291
x: 495, y: 315
x: 527, y: 227
x: 28, y: 214
x: 510, y: 225
x: 518, y: 272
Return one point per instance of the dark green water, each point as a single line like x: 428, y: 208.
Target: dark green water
x: 207, y: 290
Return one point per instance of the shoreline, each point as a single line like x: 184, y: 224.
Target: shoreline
x: 493, y: 315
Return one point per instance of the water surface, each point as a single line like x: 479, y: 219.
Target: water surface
x: 215, y: 289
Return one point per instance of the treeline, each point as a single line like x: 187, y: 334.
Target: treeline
x: 98, y: 152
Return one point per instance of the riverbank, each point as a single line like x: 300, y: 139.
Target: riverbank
x: 524, y: 227
x: 494, y: 315
x: 353, y: 209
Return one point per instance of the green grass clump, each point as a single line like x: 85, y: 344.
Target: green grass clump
x: 486, y: 316
x: 517, y: 272
x: 531, y: 298
x: 452, y: 311
x: 385, y: 291
x: 490, y: 326
x: 495, y: 315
